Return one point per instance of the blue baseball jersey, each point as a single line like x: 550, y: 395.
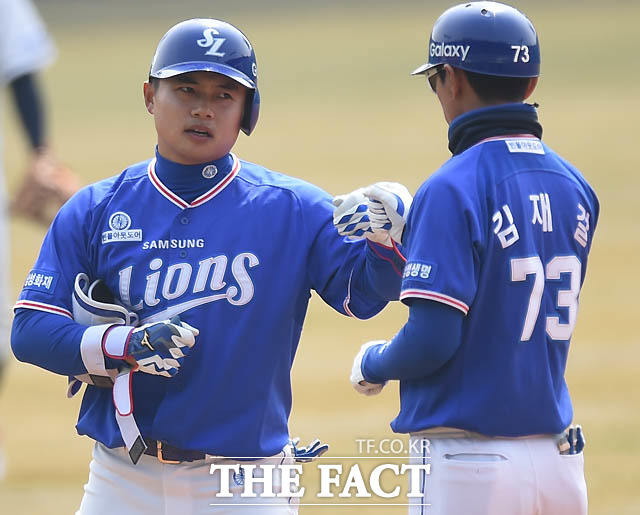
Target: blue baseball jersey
x: 239, y: 263
x: 501, y: 232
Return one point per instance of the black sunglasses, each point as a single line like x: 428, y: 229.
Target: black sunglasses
x: 431, y: 75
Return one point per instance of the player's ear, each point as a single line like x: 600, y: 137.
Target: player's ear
x: 457, y: 81
x: 533, y: 82
x: 149, y: 92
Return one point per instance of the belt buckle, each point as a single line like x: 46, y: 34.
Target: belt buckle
x: 161, y: 458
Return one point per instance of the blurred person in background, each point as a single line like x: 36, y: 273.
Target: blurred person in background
x: 25, y: 50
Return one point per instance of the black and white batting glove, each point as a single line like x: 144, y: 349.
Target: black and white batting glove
x: 158, y: 348
x: 308, y: 453
x: 388, y: 207
x: 351, y: 218
x: 357, y: 378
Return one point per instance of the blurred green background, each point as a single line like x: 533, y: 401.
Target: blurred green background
x: 339, y: 109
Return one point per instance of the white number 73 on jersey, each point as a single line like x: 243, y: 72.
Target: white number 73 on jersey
x: 522, y: 267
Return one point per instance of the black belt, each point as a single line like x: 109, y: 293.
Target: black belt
x: 169, y: 454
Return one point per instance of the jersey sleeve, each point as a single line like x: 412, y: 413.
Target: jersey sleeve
x: 25, y: 46
x: 355, y: 278
x: 65, y: 252
x: 442, y: 241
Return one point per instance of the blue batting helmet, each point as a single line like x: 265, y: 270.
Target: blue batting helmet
x: 210, y: 45
x: 485, y: 37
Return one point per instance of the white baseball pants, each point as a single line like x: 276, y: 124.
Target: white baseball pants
x: 117, y: 486
x: 475, y: 475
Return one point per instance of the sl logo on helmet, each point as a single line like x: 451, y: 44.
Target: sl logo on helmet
x: 210, y: 41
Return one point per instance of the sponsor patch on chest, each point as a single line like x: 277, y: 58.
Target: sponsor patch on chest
x: 120, y: 225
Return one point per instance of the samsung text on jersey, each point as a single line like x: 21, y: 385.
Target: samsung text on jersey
x: 191, y: 243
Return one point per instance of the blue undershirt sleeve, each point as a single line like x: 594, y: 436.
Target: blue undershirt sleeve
x: 49, y: 341
x: 381, y: 275
x: 28, y: 101
x: 427, y: 341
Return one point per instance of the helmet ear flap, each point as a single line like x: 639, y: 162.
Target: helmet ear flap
x: 251, y: 111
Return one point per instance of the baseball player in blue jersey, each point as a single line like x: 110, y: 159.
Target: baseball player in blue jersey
x: 497, y: 243
x: 178, y: 290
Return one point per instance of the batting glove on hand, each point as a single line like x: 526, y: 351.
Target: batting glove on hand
x: 357, y: 378
x: 158, y: 348
x: 351, y: 218
x: 309, y: 453
x: 388, y: 207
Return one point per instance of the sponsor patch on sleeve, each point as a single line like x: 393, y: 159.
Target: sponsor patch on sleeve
x: 42, y: 281
x: 425, y: 272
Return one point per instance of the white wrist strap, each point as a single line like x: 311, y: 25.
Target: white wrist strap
x: 91, y: 350
x: 115, y: 341
x: 123, y: 402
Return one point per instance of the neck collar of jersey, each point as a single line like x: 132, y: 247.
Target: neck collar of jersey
x: 189, y: 186
x: 488, y: 122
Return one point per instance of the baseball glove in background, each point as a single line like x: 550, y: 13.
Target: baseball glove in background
x: 45, y: 186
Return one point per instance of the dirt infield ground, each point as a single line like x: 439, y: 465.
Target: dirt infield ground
x: 339, y: 109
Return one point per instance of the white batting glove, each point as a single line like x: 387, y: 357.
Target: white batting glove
x: 388, y: 207
x: 357, y: 378
x: 351, y: 218
x: 350, y: 214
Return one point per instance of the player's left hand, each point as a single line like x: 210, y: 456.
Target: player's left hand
x: 46, y: 185
x: 357, y: 378
x: 351, y: 218
x: 388, y: 207
x: 350, y: 214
